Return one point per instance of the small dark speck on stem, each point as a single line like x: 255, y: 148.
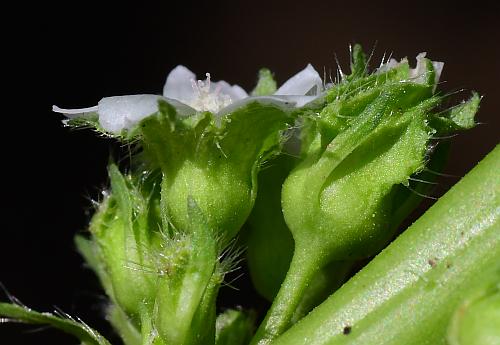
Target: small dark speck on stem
x: 433, y: 262
x: 347, y: 330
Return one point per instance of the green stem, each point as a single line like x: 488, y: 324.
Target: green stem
x: 323, y: 284
x: 305, y: 264
x: 128, y: 332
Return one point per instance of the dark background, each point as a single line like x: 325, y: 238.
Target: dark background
x: 73, y: 54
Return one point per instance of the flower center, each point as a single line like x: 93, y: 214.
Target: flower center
x: 206, y: 99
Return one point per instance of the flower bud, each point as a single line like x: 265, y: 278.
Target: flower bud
x: 339, y: 201
x: 346, y: 185
x: 162, y: 282
x: 125, y: 241
x: 185, y: 301
x: 216, y: 166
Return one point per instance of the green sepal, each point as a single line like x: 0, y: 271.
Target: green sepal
x: 169, y: 139
x: 91, y: 121
x: 185, y: 303
x: 348, y: 88
x: 65, y: 323
x: 213, y: 160
x: 234, y: 327
x: 266, y: 85
x: 203, y: 325
x: 252, y: 134
x: 420, y: 185
x: 124, y: 326
x: 121, y: 230
x: 359, y: 64
x: 349, y: 98
x: 92, y: 254
x: 149, y: 333
x: 460, y: 117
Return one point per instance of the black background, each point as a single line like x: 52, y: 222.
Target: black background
x: 73, y: 54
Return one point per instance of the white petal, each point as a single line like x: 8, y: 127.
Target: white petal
x: 238, y: 92
x: 438, y: 68
x: 179, y: 84
x: 305, y: 82
x: 392, y: 63
x: 234, y: 91
x: 122, y: 112
x: 284, y: 102
x: 181, y: 108
x: 417, y: 74
x: 72, y: 113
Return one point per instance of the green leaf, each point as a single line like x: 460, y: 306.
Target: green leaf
x: 80, y: 330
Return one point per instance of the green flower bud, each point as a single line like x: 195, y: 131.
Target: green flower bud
x: 124, y: 241
x: 162, y: 282
x: 185, y: 302
x: 344, y: 190
x: 216, y: 165
x: 339, y: 201
x: 409, y: 292
x: 270, y: 243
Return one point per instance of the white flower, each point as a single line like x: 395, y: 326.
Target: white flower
x: 189, y: 95
x: 417, y: 74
